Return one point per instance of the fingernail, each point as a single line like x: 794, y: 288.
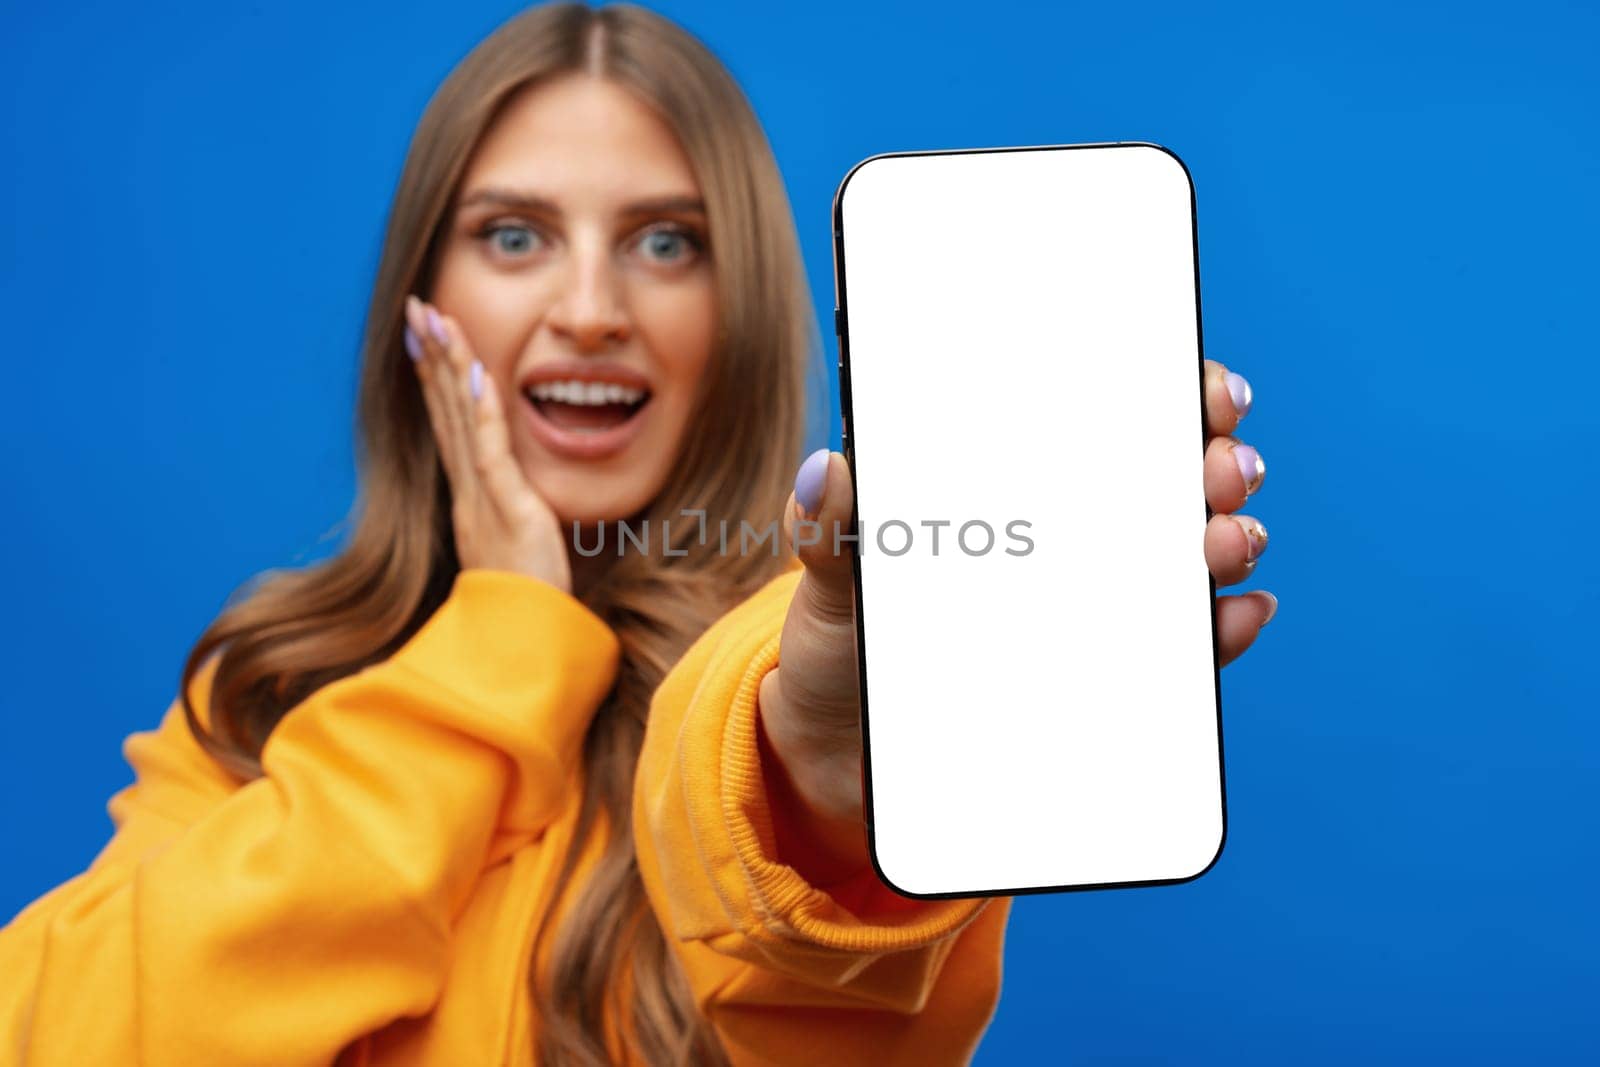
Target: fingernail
x: 477, y: 379
x: 1272, y: 604
x: 436, y: 327
x: 413, y: 344
x: 1254, y: 532
x: 810, y: 480
x: 1239, y: 390
x: 1251, y: 466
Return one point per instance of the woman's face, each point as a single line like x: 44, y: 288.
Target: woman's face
x: 577, y: 264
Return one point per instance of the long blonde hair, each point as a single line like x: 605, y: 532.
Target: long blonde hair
x: 290, y: 632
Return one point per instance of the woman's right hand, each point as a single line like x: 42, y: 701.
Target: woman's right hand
x: 501, y: 522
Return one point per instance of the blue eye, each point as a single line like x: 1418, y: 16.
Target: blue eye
x: 511, y: 239
x: 669, y: 245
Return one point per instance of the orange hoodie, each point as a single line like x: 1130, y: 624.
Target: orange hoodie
x: 371, y: 899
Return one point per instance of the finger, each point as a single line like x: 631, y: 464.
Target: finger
x: 1233, y: 545
x: 491, y: 446
x: 449, y: 358
x: 455, y: 359
x: 434, y: 383
x: 1233, y: 470
x: 443, y: 332
x: 1239, y: 621
x: 1228, y: 398
x: 817, y: 519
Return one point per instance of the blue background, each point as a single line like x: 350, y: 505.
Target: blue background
x: 1398, y: 239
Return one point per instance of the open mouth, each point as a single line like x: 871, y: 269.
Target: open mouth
x: 582, y: 407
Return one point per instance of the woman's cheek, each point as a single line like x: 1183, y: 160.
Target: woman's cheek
x: 672, y: 429
x: 678, y: 319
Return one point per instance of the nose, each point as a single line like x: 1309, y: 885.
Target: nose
x: 589, y: 310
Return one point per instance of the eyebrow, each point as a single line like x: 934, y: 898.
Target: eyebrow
x: 511, y: 198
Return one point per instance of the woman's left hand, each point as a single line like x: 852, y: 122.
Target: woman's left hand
x: 810, y: 706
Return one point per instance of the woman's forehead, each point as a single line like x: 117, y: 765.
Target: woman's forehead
x: 585, y: 138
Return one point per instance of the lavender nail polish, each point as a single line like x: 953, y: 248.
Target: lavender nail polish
x: 1251, y: 465
x: 413, y: 344
x: 1239, y: 391
x: 436, y: 327
x: 1255, y: 534
x: 477, y: 380
x: 1272, y: 603
x: 810, y: 480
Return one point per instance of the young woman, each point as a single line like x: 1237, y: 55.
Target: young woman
x: 473, y: 793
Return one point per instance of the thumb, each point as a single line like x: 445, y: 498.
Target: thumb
x: 818, y: 524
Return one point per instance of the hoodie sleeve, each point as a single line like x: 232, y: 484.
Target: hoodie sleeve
x: 788, y: 971
x: 278, y: 921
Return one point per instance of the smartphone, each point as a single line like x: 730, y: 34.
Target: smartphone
x: 1021, y: 384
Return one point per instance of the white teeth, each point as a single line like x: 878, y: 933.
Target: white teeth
x: 576, y: 392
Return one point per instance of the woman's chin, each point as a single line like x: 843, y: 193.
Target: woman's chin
x: 592, y: 510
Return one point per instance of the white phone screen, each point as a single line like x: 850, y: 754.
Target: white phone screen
x: 1021, y: 380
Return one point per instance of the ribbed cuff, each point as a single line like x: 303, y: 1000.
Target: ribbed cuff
x: 782, y: 901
